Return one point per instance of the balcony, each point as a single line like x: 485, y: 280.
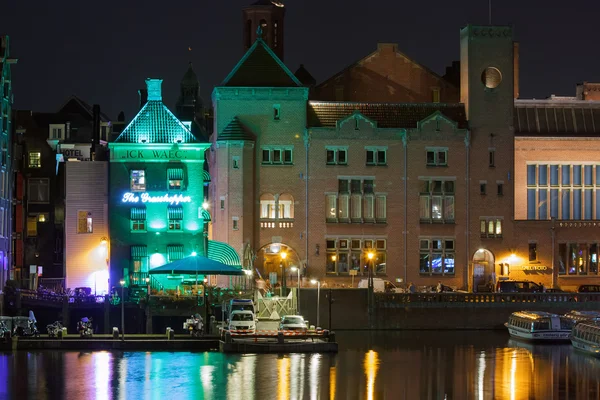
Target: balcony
x: 270, y: 223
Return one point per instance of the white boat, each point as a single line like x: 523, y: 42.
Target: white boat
x: 582, y: 316
x: 586, y: 337
x: 539, y: 326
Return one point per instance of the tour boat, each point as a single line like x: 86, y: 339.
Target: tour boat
x: 586, y: 337
x: 582, y: 316
x: 539, y: 326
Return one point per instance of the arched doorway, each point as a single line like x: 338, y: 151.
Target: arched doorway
x: 484, y: 270
x: 273, y: 259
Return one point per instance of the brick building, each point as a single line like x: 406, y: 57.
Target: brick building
x: 433, y: 174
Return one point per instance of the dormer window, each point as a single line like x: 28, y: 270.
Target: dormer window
x: 57, y: 132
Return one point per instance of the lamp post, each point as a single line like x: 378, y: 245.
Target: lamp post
x: 296, y: 269
x: 370, y: 256
x: 283, y: 288
x: 122, y: 282
x: 318, y: 283
x: 147, y: 289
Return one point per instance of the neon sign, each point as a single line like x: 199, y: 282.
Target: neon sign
x: 146, y: 198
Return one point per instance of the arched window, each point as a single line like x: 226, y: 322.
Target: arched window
x: 285, y: 206
x: 267, y: 206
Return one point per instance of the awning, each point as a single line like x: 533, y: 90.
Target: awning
x: 175, y: 174
x: 197, y: 265
x: 175, y: 212
x: 205, y: 177
x: 139, y: 251
x: 138, y: 213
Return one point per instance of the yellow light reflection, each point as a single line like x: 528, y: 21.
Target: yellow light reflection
x: 481, y: 374
x: 513, y: 373
x: 315, y: 365
x: 332, y: 379
x: 371, y: 365
x: 283, y: 384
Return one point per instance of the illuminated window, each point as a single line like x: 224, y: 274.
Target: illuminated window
x: 175, y: 217
x: 138, y: 180
x: 84, y: 222
x: 35, y: 159
x: 43, y: 217
x: 436, y: 256
x: 175, y: 177
x: 490, y: 227
x: 345, y: 255
x: 139, y: 263
x: 437, y: 201
x: 32, y: 225
x: 138, y: 219
x: 435, y: 94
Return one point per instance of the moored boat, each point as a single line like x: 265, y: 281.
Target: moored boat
x: 539, y: 326
x: 582, y: 316
x: 586, y: 338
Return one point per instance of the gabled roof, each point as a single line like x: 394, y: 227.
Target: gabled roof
x: 304, y: 76
x: 155, y: 124
x: 387, y: 115
x: 190, y: 78
x: 236, y: 131
x: 75, y: 105
x: 557, y: 118
x: 260, y: 67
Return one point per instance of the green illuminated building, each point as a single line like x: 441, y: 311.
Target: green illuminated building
x: 158, y: 191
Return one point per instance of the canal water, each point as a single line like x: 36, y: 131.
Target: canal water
x: 406, y: 365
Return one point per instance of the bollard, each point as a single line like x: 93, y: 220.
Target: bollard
x: 227, y: 337
x: 280, y: 337
x: 115, y: 333
x: 332, y: 337
x: 167, y: 331
x: 59, y: 334
x: 171, y: 334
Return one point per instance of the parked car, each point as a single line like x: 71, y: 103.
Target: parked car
x: 588, y: 289
x: 293, y: 323
x: 512, y: 286
x: 380, y: 286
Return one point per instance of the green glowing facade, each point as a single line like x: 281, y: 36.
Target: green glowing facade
x: 157, y: 195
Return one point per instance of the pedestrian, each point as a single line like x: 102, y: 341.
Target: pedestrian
x: 440, y: 287
x: 412, y: 288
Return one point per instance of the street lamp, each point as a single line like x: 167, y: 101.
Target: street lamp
x: 318, y: 283
x: 296, y: 269
x: 283, y: 257
x: 147, y: 289
x: 122, y: 282
x: 370, y: 256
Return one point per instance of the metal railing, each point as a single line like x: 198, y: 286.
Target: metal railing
x: 390, y: 299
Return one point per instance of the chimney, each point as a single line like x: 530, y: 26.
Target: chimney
x: 153, y: 86
x: 516, y: 69
x: 95, y: 131
x: 143, y: 97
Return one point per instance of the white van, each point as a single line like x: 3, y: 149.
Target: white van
x: 242, y: 321
x: 380, y: 286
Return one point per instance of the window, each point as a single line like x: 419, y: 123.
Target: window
x: 138, y: 180
x: 175, y: 178
x: 532, y: 251
x: 437, y: 157
x: 376, y: 156
x: 567, y: 192
x: 138, y: 219
x: 175, y: 218
x: 35, y: 159
x: 84, y: 222
x: 236, y: 162
x: 436, y: 201
x: 222, y: 202
x: 139, y: 260
x: 436, y: 256
x: 43, y: 217
x: 482, y: 188
x: 344, y: 255
x: 276, y: 112
x: 32, y: 221
x: 435, y: 95
x: 336, y: 156
x: 492, y: 158
x: 490, y: 227
x: 175, y: 252
x: 500, y: 189
x: 236, y: 222
x: 356, y: 201
x: 578, y: 258
x: 277, y: 155
x: 39, y: 190
x: 276, y: 207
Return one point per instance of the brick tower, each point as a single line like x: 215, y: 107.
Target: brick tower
x: 269, y: 15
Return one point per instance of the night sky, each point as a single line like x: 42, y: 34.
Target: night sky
x: 102, y: 51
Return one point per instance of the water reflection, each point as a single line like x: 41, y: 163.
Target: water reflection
x: 423, y: 365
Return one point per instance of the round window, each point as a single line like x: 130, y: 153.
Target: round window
x: 491, y: 77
